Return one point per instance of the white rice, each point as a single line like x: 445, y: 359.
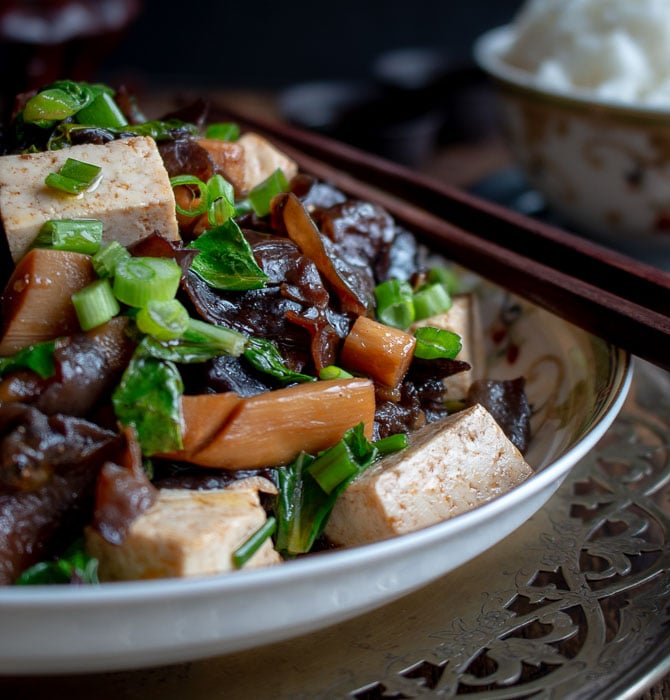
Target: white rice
x: 617, y: 49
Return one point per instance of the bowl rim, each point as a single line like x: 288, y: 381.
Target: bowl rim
x: 487, y: 50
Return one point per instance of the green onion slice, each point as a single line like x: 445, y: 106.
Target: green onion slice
x: 260, y: 196
x: 137, y: 281
x: 224, y: 341
x: 391, y: 443
x: 164, y: 320
x: 395, y: 303
x: 431, y: 300
x: 333, y: 466
x: 201, y: 200
x: 76, y: 235
x: 108, y: 257
x: 95, y: 304
x: 334, y: 372
x: 75, y: 176
x: 224, y: 131
x: 436, y: 343
x: 102, y: 112
x: 247, y: 550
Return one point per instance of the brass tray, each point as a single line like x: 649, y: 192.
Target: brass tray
x: 576, y: 603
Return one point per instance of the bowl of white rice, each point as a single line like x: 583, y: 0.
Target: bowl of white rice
x: 584, y: 95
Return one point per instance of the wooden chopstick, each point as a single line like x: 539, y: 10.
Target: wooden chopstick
x: 609, y: 294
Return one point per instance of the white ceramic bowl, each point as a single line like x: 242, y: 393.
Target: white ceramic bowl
x: 576, y: 384
x: 603, y: 167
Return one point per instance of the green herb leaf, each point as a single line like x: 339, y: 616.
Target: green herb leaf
x: 264, y: 355
x: 225, y: 260
x: 302, y: 507
x: 148, y: 398
x: 75, y: 566
x: 38, y: 357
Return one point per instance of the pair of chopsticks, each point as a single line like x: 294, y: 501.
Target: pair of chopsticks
x: 609, y: 294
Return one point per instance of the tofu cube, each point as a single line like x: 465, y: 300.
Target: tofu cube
x: 450, y: 466
x: 185, y: 533
x: 261, y: 159
x: 462, y: 318
x: 134, y: 197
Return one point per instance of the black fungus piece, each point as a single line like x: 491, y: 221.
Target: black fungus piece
x: 48, y: 469
x: 507, y: 402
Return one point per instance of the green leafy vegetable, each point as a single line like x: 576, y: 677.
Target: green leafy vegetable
x: 38, y: 357
x: 302, y: 507
x: 225, y: 260
x: 264, y: 355
x: 75, y: 566
x: 58, y: 101
x: 148, y: 399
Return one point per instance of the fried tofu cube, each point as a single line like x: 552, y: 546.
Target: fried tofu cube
x: 185, y: 533
x: 449, y: 467
x: 133, y: 199
x: 462, y: 318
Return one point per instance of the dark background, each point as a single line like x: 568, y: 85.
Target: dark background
x: 274, y: 44
x: 327, y: 63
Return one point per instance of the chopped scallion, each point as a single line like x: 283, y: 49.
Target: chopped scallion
x: 333, y: 372
x: 391, y: 443
x: 164, y: 320
x: 228, y: 341
x: 431, y: 300
x: 247, y: 550
x: 76, y: 235
x: 200, y: 200
x: 95, y: 304
x: 333, y: 466
x: 224, y: 131
x: 75, y: 176
x: 108, y: 257
x: 137, y: 281
x: 395, y: 304
x: 436, y: 343
x: 260, y: 197
x: 445, y: 276
x: 102, y: 112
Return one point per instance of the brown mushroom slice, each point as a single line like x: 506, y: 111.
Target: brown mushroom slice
x: 37, y: 300
x: 273, y: 427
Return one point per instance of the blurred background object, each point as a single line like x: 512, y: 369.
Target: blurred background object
x: 393, y: 79
x: 388, y: 77
x: 45, y: 40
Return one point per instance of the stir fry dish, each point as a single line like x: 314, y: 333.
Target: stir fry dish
x: 210, y: 360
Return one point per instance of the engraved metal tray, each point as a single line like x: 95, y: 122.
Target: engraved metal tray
x: 576, y: 603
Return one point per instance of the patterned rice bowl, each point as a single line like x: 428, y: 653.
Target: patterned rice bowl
x: 602, y: 167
